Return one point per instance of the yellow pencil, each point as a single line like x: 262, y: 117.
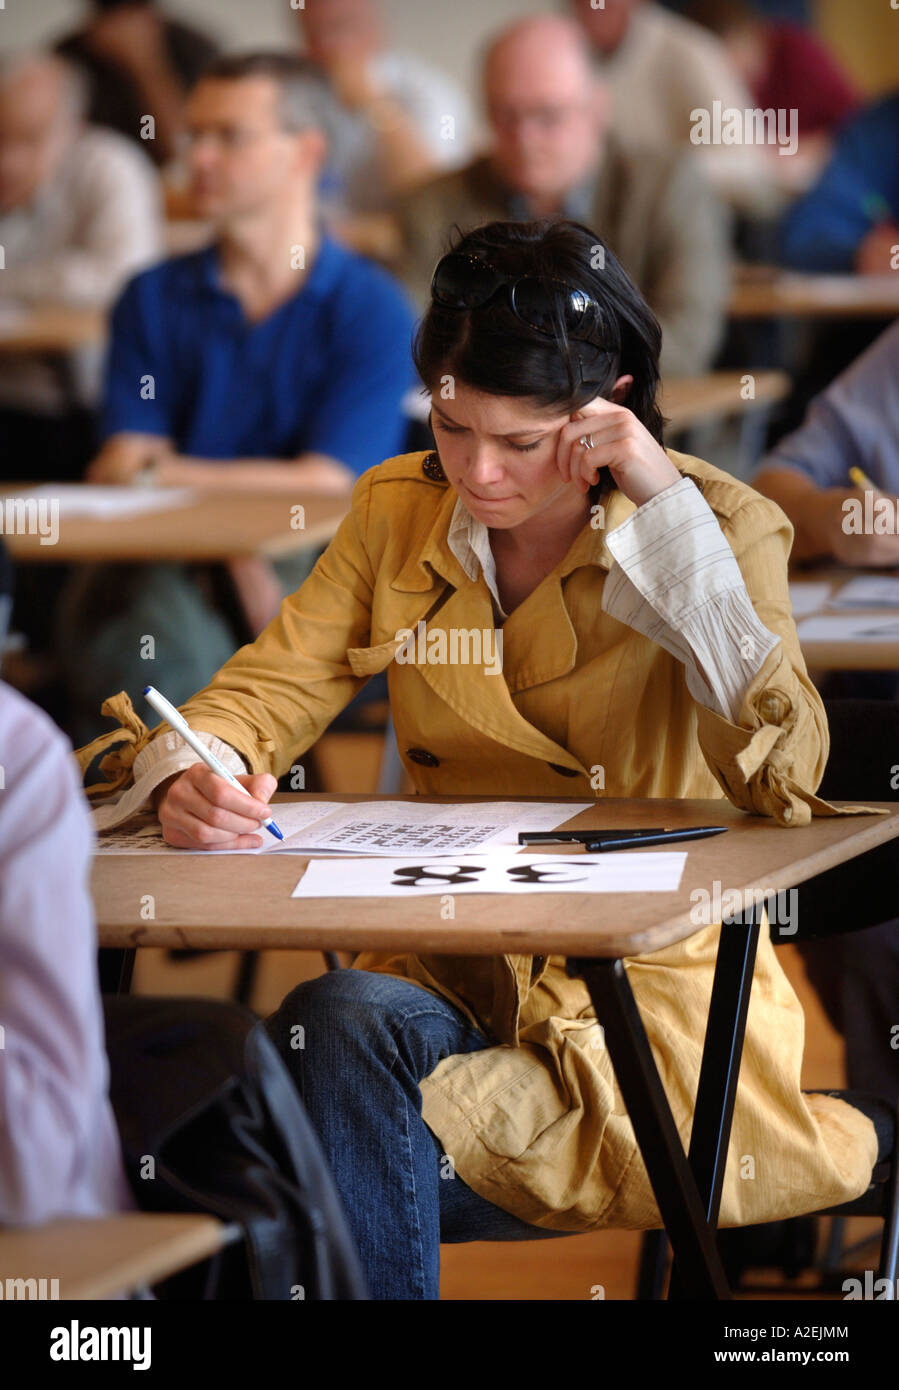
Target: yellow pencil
x: 862, y: 480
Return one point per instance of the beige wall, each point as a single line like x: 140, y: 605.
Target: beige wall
x: 865, y: 35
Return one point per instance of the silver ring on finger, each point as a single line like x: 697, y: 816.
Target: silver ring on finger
x: 586, y: 441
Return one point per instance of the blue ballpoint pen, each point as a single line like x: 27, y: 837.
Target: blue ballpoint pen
x: 172, y: 716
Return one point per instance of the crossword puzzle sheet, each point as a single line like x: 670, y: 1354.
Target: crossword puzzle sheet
x: 369, y: 827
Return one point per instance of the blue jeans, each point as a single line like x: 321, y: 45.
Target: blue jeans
x: 368, y: 1040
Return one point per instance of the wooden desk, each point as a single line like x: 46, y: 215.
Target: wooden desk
x: 856, y: 655
x: 99, y: 1258
x: 244, y: 901
x: 765, y: 292
x: 50, y: 328
x: 216, y: 526
x: 688, y: 400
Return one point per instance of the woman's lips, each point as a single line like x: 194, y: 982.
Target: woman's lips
x: 478, y: 498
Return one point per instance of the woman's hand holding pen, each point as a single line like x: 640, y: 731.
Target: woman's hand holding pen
x: 639, y: 465
x: 197, y: 809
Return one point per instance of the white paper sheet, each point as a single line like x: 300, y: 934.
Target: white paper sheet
x: 869, y: 591
x: 503, y: 871
x: 371, y: 827
x: 850, y: 627
x: 94, y: 500
x: 809, y: 597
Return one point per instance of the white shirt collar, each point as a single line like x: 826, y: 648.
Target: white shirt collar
x: 469, y: 540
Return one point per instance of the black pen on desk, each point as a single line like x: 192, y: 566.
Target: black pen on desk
x: 581, y: 837
x: 604, y: 840
x: 602, y: 845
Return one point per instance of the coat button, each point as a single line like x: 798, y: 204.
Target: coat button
x: 422, y: 756
x: 564, y: 771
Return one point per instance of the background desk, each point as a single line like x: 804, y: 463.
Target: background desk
x: 50, y: 328
x: 854, y: 655
x: 765, y: 292
x: 217, y: 526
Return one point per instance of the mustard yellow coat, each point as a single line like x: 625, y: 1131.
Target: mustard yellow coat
x: 536, y: 1123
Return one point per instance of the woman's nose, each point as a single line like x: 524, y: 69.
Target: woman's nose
x: 484, y: 465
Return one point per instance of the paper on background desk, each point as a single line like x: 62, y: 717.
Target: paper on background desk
x: 102, y: 503
x: 370, y: 827
x: 869, y: 591
x: 503, y: 871
x: 850, y: 627
x: 808, y: 596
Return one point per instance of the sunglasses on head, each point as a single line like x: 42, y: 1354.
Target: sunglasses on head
x: 462, y: 281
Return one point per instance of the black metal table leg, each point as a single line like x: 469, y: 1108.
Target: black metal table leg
x: 670, y: 1174
x: 720, y: 1069
x: 115, y: 968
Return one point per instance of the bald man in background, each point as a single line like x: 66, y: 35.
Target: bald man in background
x: 79, y: 214
x: 552, y: 155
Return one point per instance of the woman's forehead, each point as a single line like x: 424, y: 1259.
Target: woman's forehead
x: 500, y: 414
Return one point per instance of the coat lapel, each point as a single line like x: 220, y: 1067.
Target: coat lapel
x: 443, y: 601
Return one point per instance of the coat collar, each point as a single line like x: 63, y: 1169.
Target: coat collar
x: 486, y: 702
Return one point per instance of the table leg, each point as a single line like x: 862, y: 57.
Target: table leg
x: 670, y: 1174
x: 720, y: 1068
x: 115, y: 968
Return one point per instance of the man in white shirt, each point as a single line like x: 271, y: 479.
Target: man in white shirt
x: 79, y: 214
x: 399, y: 121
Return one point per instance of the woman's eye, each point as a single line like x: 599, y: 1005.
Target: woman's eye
x: 448, y: 429
x: 526, y: 448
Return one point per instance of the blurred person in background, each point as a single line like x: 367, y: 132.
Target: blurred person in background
x: 79, y: 213
x: 849, y: 220
x: 278, y: 361
x: 399, y: 120
x: 785, y: 66
x: 138, y: 63
x: 847, y: 223
x: 551, y: 154
x: 60, y: 1154
x: 660, y: 69
x: 854, y: 423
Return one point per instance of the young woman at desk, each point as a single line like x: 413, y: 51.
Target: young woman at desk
x: 647, y: 630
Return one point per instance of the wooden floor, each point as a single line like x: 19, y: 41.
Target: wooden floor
x: 600, y: 1265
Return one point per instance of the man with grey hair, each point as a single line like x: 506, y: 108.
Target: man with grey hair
x: 552, y: 154
x: 273, y: 360
x: 79, y: 213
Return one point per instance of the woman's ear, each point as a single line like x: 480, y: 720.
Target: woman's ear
x: 621, y: 388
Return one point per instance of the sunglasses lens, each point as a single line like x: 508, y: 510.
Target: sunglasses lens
x: 534, y: 302
x: 462, y: 282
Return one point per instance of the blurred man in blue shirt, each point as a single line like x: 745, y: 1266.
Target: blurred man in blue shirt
x: 274, y: 359
x: 849, y: 220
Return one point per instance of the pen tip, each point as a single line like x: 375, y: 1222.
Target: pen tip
x: 147, y: 689
x: 276, y: 832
